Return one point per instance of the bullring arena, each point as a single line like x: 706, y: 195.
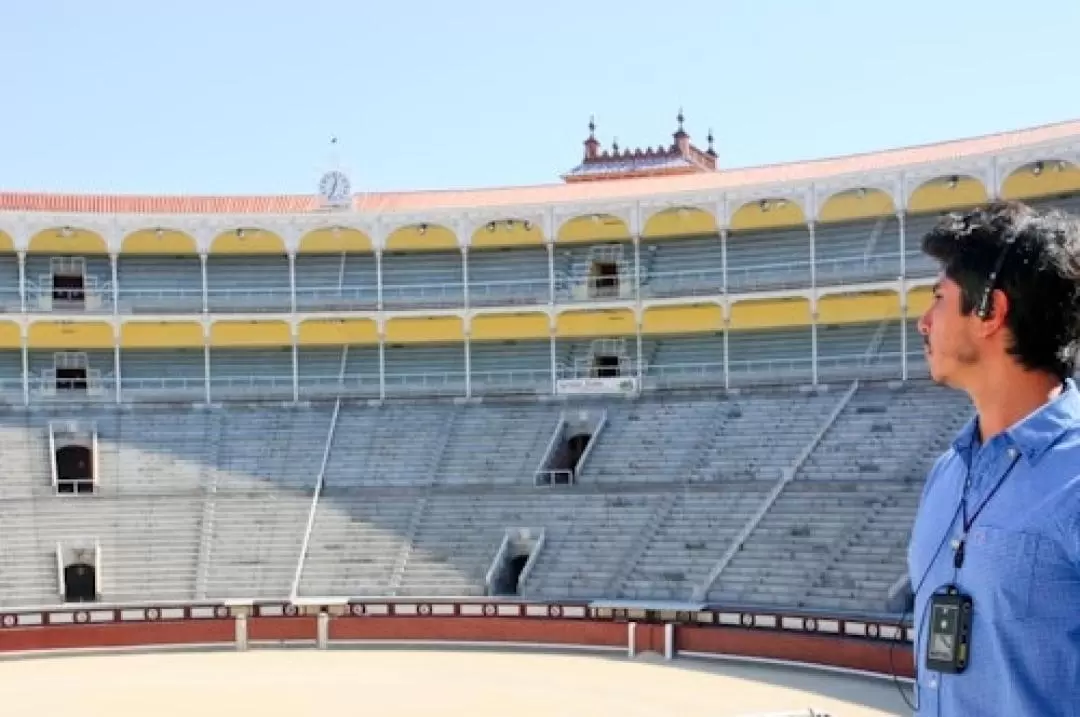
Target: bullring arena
x: 648, y: 441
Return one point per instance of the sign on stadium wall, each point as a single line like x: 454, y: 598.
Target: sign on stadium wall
x: 623, y: 385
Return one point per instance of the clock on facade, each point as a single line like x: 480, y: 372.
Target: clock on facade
x: 334, y: 187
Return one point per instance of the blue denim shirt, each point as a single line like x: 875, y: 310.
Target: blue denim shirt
x: 1021, y: 567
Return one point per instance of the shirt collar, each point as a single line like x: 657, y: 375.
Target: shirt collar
x: 1034, y: 434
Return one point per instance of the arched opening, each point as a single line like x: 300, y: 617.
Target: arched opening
x: 1046, y: 181
x: 680, y: 222
x: 593, y: 228
x: 944, y: 194
x: 80, y: 582
x: 74, y: 469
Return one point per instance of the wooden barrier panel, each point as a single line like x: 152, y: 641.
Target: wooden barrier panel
x: 480, y: 629
x: 847, y: 653
x: 281, y: 628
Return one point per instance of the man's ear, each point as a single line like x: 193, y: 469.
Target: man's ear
x: 995, y: 317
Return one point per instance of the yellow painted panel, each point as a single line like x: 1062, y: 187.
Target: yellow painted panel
x: 247, y: 241
x: 854, y: 204
x: 1055, y: 178
x: 338, y: 332
x: 10, y: 335
x: 528, y: 325
x: 161, y: 334
x: 421, y: 237
x: 858, y: 308
x: 770, y: 313
x: 768, y: 214
x: 67, y: 240
x: 918, y: 301
x: 335, y: 240
x: 507, y: 232
x: 154, y: 241
x: 585, y: 324
x: 425, y: 330
x: 243, y: 334
x: 937, y: 195
x: 680, y: 222
x: 7, y: 245
x: 593, y: 228
x: 70, y: 335
x: 693, y: 319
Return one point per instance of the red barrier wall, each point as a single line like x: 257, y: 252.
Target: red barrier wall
x: 843, y: 652
x: 849, y: 644
x: 480, y: 629
x: 61, y: 637
x: 281, y: 628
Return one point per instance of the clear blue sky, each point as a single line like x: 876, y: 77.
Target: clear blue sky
x: 242, y: 97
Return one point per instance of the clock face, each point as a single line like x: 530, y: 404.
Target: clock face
x: 334, y: 187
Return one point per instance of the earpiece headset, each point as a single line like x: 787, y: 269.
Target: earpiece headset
x: 985, y: 307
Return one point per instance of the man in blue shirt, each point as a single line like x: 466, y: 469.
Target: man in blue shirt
x: 999, y: 518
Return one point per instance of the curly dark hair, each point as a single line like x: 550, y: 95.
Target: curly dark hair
x: 1038, y: 253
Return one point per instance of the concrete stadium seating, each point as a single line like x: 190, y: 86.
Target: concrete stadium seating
x: 501, y: 277
x: 417, y: 495
x: 836, y: 534
x: 342, y: 282
x: 160, y: 284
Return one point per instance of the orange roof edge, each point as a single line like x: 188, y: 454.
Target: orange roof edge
x: 615, y: 189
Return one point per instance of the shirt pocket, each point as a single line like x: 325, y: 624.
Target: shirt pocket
x: 1054, y: 593
x: 999, y: 567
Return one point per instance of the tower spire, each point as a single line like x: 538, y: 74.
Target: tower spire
x: 592, y: 144
x: 680, y: 132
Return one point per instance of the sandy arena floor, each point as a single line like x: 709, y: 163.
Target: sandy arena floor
x: 392, y: 682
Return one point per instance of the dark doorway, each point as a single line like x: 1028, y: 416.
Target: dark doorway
x: 575, y: 449
x: 605, y: 366
x: 69, y: 288
x: 513, y: 572
x: 74, y: 472
x: 71, y: 379
x: 80, y: 583
x: 605, y: 276
x: 507, y: 581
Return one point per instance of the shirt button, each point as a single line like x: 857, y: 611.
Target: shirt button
x: 1012, y: 453
x: 933, y: 682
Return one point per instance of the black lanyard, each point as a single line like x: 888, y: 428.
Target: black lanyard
x: 958, y: 558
